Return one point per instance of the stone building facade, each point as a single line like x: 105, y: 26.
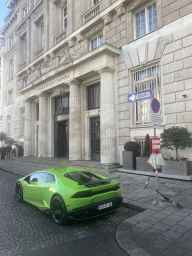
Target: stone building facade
x: 70, y: 65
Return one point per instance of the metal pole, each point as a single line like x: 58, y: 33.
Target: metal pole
x: 156, y: 173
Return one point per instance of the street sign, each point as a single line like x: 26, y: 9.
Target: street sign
x: 155, y: 105
x: 144, y: 95
x: 155, y: 145
x: 155, y: 118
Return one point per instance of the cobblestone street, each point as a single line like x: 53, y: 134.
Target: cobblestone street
x: 25, y: 229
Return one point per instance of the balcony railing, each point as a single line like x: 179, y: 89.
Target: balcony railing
x: 62, y: 35
x: 91, y: 13
x: 22, y: 65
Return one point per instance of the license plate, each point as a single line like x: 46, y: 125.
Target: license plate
x: 103, y: 206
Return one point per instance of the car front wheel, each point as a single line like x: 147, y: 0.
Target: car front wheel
x: 58, y: 210
x: 19, y: 192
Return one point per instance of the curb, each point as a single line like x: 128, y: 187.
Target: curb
x: 133, y: 207
x: 124, y: 233
x: 161, y: 175
x: 126, y: 241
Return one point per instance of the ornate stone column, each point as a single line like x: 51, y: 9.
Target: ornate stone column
x: 75, y: 133
x: 107, y: 117
x: 28, y: 128
x: 43, y: 124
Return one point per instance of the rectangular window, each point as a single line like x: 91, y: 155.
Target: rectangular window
x: 40, y: 33
x: 62, y: 105
x: 93, y: 96
x: 96, y: 42
x: 11, y: 69
x: 65, y: 16
x: 8, y: 126
x: 94, y: 2
x: 37, y: 112
x: 25, y: 82
x: 11, y: 41
x: 24, y: 11
x: 10, y: 97
x: 146, y: 20
x: 24, y: 47
x: 145, y: 79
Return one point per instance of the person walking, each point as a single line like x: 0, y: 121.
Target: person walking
x: 3, y: 152
x: 9, y: 148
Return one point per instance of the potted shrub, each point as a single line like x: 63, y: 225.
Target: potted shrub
x: 176, y: 138
x: 146, y: 152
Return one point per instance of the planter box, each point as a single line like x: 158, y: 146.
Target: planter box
x: 177, y: 168
x: 141, y: 162
x: 170, y: 167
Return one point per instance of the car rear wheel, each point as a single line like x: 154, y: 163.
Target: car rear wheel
x: 19, y: 192
x: 58, y: 210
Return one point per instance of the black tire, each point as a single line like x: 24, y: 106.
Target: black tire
x: 19, y: 192
x: 58, y: 210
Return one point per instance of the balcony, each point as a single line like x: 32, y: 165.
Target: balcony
x: 38, y: 53
x: 91, y: 13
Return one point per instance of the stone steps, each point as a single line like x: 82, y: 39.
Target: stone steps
x: 87, y: 165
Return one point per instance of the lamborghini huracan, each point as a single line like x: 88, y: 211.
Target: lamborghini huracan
x: 69, y: 192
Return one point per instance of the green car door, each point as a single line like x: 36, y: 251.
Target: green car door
x: 34, y: 189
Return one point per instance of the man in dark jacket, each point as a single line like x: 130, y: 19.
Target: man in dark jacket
x: 9, y: 148
x: 3, y: 152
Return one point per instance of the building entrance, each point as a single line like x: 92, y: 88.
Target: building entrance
x: 95, y: 138
x: 62, y: 139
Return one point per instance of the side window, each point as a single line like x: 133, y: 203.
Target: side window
x: 50, y: 178
x: 40, y: 176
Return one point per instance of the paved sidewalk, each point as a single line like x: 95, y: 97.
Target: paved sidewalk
x: 161, y: 229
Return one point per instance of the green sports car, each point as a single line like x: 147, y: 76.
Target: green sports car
x: 69, y: 193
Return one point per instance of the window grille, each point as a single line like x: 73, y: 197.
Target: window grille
x: 145, y: 79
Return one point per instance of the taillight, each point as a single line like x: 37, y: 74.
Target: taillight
x: 116, y: 187
x: 82, y: 194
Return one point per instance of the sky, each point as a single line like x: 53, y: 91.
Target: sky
x: 3, y: 12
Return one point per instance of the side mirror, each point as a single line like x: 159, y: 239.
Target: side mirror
x: 27, y: 179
